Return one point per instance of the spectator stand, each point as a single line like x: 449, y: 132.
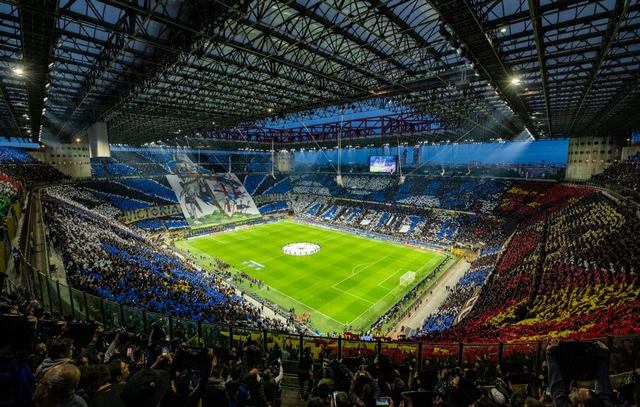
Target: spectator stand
x: 526, y: 358
x: 569, y: 225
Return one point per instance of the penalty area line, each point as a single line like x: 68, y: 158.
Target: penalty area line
x: 359, y: 271
x: 444, y: 272
x: 305, y: 305
x: 391, y: 275
x: 376, y: 303
x: 353, y: 295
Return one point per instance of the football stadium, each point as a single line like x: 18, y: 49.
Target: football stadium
x: 357, y: 203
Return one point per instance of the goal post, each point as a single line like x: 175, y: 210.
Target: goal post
x: 407, y: 278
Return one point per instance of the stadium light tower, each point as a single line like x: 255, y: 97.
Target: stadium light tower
x: 273, y: 152
x: 339, y: 179
x: 399, y: 159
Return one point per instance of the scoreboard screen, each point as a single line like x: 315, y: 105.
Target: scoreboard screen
x: 383, y: 163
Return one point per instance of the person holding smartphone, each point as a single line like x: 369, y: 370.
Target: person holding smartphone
x: 118, y: 370
x: 165, y: 359
x: 109, y: 394
x: 305, y: 373
x: 563, y: 396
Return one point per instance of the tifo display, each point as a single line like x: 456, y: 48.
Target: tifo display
x: 211, y: 199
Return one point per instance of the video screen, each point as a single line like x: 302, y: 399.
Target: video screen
x: 382, y: 163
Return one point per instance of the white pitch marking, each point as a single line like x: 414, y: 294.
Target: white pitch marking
x: 360, y: 271
x: 306, y: 306
x: 353, y: 295
x: 390, y: 291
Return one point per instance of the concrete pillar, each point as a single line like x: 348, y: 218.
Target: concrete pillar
x: 99, y: 140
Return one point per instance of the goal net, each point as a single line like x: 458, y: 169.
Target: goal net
x: 407, y: 278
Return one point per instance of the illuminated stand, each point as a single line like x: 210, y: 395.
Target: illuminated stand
x: 301, y: 249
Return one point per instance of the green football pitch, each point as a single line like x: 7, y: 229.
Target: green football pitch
x: 350, y: 282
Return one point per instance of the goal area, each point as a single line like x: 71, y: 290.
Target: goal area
x: 407, y: 278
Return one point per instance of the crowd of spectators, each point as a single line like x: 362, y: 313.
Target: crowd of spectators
x: 407, y: 222
x: 413, y: 209
x: 10, y: 191
x: 314, y: 184
x: 149, y: 162
x: 110, y: 167
x: 467, y: 194
x: 85, y: 198
x: 573, y: 229
x: 19, y: 165
x: 17, y: 170
x: 151, y: 187
x: 122, y: 197
x: 130, y: 194
x: 625, y: 174
x: 252, y: 182
x: 282, y: 185
x: 274, y: 207
x: 558, y: 225
x: 52, y: 360
x: 12, y: 155
x: 33, y: 173
x: 571, y: 273
x: 530, y: 201
x: 459, y: 295
x: 105, y: 258
x: 139, y: 163
x: 302, y: 203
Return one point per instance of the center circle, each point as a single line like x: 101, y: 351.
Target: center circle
x: 301, y: 249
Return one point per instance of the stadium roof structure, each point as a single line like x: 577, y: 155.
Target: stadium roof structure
x: 162, y: 69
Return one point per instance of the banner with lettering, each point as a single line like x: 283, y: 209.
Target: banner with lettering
x: 163, y: 211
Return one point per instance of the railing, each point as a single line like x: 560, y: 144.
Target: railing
x: 59, y: 298
x: 10, y: 287
x: 25, y: 242
x: 43, y: 235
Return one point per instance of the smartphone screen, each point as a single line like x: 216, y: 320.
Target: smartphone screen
x: 383, y: 401
x: 165, y: 351
x: 129, y: 352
